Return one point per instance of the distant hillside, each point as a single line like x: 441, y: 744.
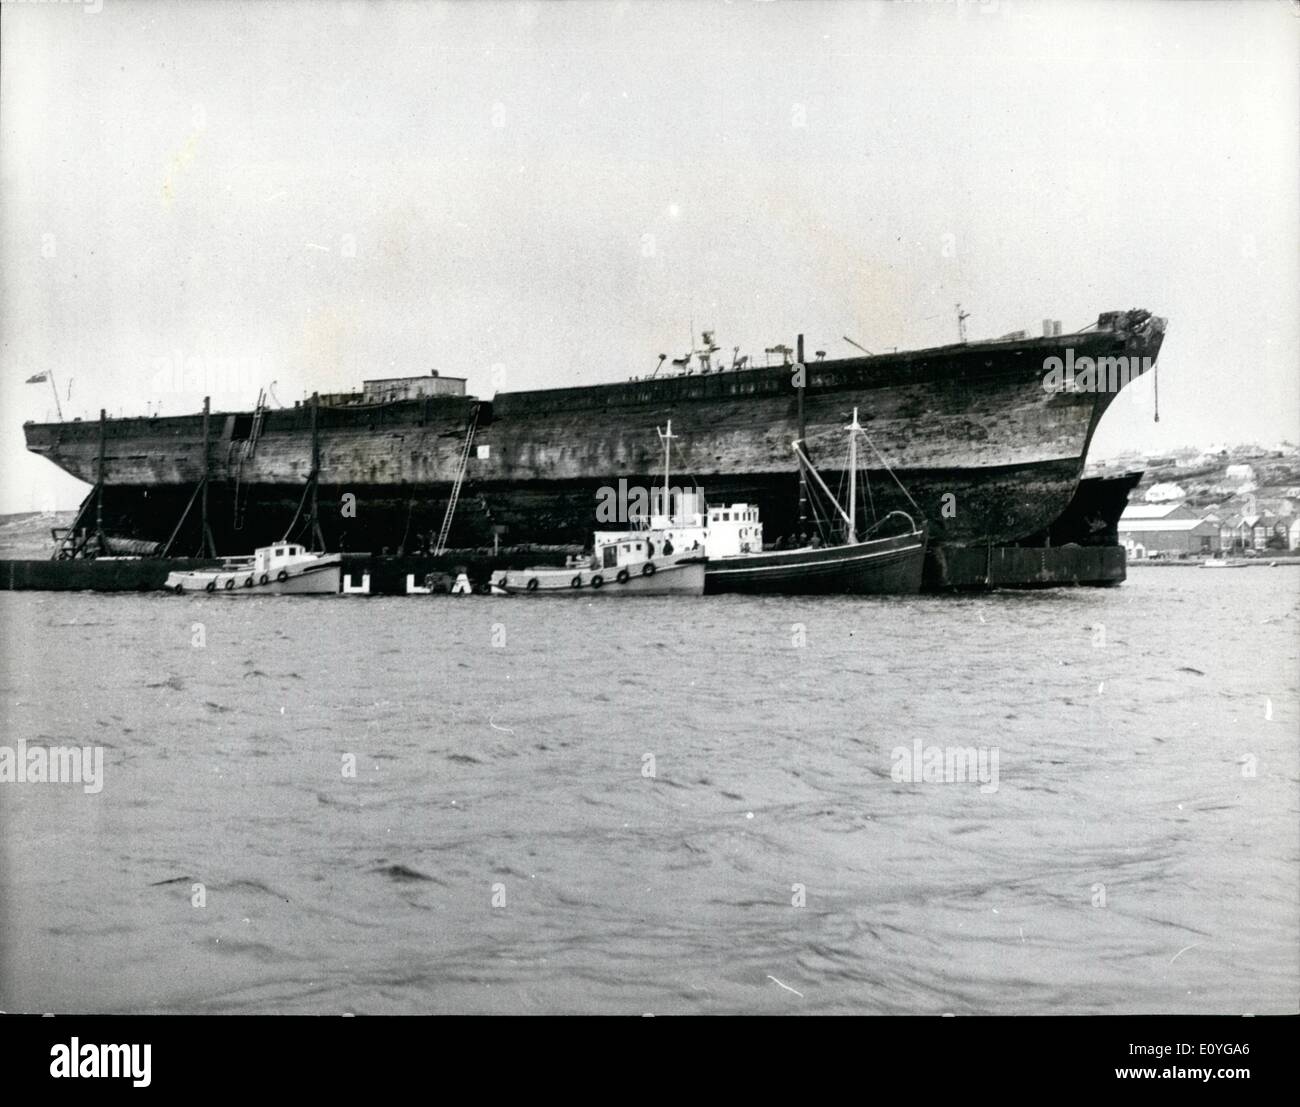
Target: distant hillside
x: 27, y: 535
x: 1204, y: 476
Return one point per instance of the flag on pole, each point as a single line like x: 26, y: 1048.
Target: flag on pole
x: 39, y: 378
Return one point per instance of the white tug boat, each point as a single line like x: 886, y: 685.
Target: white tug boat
x: 633, y: 563
x: 279, y: 570
x: 664, y: 555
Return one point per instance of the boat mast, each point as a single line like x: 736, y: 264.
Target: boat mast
x: 853, y: 429
x: 666, y: 437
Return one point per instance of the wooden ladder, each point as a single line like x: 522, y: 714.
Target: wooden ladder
x: 441, y: 544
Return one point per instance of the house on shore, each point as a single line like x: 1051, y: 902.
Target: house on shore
x: 1168, y: 530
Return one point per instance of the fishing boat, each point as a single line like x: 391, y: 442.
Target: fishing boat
x: 886, y: 558
x: 281, y: 569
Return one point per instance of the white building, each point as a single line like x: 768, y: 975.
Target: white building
x: 1164, y: 493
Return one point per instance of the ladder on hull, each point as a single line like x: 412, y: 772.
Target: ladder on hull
x: 246, y: 451
x: 78, y: 541
x: 441, y: 545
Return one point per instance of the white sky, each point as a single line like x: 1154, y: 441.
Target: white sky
x: 210, y: 196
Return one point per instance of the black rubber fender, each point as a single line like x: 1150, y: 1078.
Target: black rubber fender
x: 648, y: 569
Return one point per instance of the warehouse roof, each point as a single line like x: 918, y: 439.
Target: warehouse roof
x: 1150, y: 525
x: 1151, y: 511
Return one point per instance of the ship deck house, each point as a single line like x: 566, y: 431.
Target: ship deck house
x: 389, y: 389
x: 1171, y: 530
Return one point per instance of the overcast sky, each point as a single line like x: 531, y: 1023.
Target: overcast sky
x: 206, y: 197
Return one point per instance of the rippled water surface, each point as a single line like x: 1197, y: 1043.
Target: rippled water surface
x: 618, y: 806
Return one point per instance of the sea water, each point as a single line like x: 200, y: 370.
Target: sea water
x: 1075, y: 800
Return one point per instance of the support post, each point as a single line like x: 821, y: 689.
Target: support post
x: 99, y: 483
x: 207, y: 548
x: 803, y: 478
x: 317, y: 538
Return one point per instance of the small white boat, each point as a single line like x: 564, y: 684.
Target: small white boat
x: 279, y: 570
x: 636, y: 563
x: 1224, y: 563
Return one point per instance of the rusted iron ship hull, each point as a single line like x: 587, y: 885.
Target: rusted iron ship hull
x: 989, y: 454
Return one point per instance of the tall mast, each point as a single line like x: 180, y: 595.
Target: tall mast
x: 667, y: 438
x: 853, y: 429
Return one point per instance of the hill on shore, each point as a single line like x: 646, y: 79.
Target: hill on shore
x: 26, y: 536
